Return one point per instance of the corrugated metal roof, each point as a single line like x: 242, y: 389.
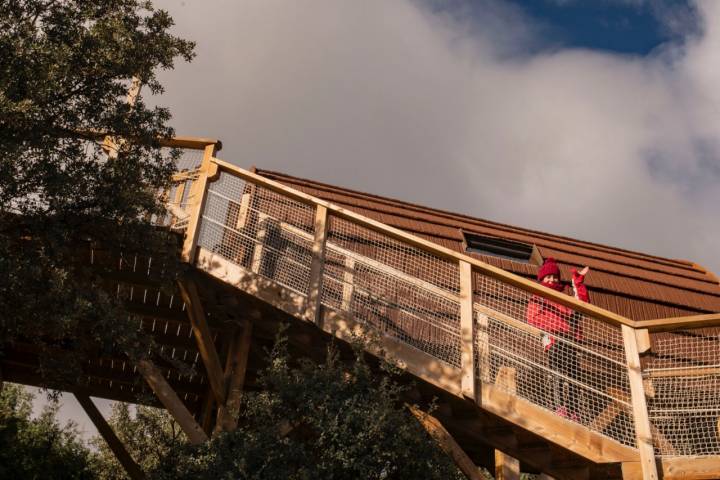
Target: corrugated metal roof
x: 637, y: 285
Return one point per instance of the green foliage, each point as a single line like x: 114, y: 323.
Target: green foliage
x: 310, y: 421
x: 150, y: 434
x: 38, y: 448
x: 64, y: 73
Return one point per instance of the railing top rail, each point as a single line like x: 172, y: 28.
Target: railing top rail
x: 657, y: 325
x: 431, y: 247
x: 195, y: 143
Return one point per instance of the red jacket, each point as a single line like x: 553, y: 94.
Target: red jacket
x: 555, y: 318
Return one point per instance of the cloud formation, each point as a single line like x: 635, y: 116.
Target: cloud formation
x: 470, y: 113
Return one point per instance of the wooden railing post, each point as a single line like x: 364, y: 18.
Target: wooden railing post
x: 196, y: 202
x: 314, y: 297
x: 467, y: 358
x: 643, y: 430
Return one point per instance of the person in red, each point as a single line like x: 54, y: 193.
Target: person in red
x: 562, y: 329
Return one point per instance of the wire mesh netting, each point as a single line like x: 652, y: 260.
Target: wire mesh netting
x: 683, y: 385
x: 558, y: 359
x: 177, y: 196
x: 564, y: 361
x: 260, y: 230
x: 400, y: 290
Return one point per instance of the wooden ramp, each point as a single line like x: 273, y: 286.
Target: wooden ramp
x: 264, y: 254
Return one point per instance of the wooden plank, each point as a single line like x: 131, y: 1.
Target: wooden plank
x: 259, y: 247
x: 680, y: 323
x: 196, y: 201
x: 121, y: 454
x: 235, y: 371
x: 437, y: 250
x: 683, y: 372
x: 679, y: 468
x: 172, y: 402
x: 483, y: 346
x: 643, y: 431
x: 506, y: 467
x: 570, y: 435
x: 348, y: 284
x: 644, y: 343
x: 467, y: 358
x: 318, y: 264
x: 447, y: 443
x: 203, y: 337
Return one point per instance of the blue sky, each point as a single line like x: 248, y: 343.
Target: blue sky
x: 629, y: 27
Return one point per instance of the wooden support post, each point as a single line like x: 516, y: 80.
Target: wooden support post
x: 312, y: 311
x: 483, y: 347
x: 643, y: 431
x: 196, y: 203
x: 235, y: 369
x: 257, y: 255
x: 203, y: 337
x: 116, y: 446
x: 506, y: 467
x: 348, y: 284
x: 172, y: 402
x: 447, y: 443
x: 467, y: 358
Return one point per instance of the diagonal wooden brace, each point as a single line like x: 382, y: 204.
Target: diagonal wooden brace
x: 118, y: 449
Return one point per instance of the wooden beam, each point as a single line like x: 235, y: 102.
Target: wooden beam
x: 644, y: 342
x: 235, y: 371
x: 643, y: 431
x: 318, y: 264
x: 196, y: 201
x: 203, y: 336
x: 121, y: 454
x: 348, y: 284
x: 172, y: 402
x: 467, y: 357
x: 679, y: 323
x: 506, y: 467
x: 447, y: 443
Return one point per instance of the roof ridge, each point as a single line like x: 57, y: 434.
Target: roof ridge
x: 683, y: 264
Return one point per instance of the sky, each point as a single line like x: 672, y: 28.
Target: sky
x: 594, y: 119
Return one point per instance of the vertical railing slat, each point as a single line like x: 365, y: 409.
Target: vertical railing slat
x: 467, y: 358
x: 196, y: 202
x: 312, y: 311
x: 643, y: 432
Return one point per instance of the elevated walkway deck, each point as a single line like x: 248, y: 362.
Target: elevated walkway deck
x: 644, y: 395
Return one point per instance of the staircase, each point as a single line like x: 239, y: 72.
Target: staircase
x: 459, y: 327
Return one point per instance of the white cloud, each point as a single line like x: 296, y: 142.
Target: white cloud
x: 397, y: 99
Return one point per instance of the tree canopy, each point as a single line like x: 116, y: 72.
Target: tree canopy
x: 330, y: 421
x: 38, y: 448
x: 64, y: 75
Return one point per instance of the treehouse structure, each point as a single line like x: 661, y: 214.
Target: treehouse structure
x: 444, y: 296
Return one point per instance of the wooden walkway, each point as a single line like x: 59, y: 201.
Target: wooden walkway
x: 264, y: 254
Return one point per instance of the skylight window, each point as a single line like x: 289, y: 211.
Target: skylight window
x: 498, y: 247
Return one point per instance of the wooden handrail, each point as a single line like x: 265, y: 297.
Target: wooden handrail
x: 477, y: 265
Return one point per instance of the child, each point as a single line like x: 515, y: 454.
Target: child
x: 562, y: 326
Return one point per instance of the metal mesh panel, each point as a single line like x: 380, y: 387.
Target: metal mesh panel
x: 400, y: 290
x: 260, y: 230
x: 683, y: 382
x: 563, y: 361
x: 177, y: 196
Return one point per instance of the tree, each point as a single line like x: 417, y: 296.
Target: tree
x: 150, y: 434
x: 64, y: 73
x: 334, y: 420
x: 38, y: 448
